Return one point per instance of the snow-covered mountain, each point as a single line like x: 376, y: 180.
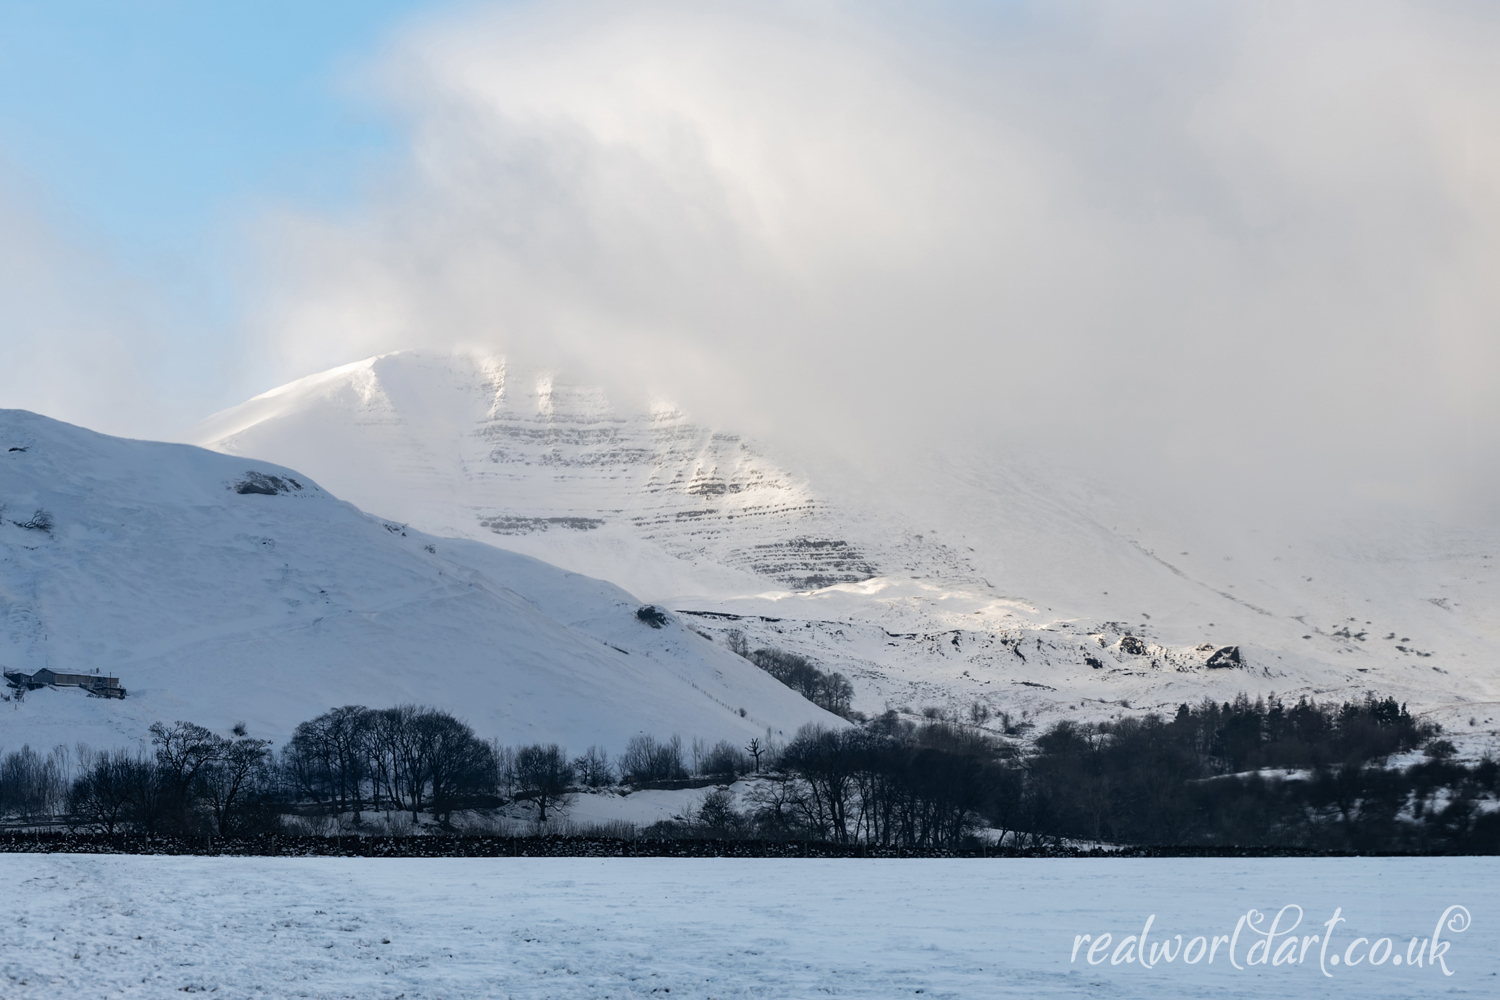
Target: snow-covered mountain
x: 961, y: 581
x: 464, y: 447
x: 220, y: 589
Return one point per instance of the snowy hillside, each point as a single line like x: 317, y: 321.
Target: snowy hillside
x: 222, y: 590
x: 964, y: 581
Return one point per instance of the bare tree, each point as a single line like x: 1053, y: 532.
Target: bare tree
x: 460, y: 766
x: 717, y: 816
x: 329, y: 757
x: 101, y: 794
x: 544, y: 775
x: 182, y: 750
x: 235, y: 768
x: 754, y: 749
x: 593, y: 768
x: 403, y: 748
x: 505, y: 768
x: 152, y: 797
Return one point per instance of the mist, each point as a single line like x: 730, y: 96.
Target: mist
x: 1247, y: 246
x: 91, y: 335
x: 70, y: 329
x: 1238, y: 250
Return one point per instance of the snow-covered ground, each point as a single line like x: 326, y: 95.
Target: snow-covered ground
x: 220, y: 590
x: 966, y: 577
x: 580, y: 813
x: 94, y: 926
x: 643, y: 807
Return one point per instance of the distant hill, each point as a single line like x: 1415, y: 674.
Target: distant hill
x: 220, y: 590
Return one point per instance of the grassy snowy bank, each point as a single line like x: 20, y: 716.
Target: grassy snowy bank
x: 85, y: 925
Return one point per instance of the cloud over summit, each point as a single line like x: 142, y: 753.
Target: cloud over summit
x: 1250, y: 243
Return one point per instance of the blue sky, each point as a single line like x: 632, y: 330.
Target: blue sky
x: 148, y: 121
x: 142, y: 142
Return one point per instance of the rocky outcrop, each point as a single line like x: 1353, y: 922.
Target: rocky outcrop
x: 1228, y: 656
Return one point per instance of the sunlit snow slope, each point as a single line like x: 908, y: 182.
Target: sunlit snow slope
x: 220, y: 589
x: 961, y: 581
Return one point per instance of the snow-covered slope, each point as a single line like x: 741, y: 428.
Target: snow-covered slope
x: 462, y: 446
x: 960, y: 581
x: 220, y: 590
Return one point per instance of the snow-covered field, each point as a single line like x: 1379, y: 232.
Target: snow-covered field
x: 96, y: 926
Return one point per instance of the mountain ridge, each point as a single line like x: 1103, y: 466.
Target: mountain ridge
x: 1052, y: 595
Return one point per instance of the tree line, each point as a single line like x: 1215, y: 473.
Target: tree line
x: 1248, y: 773
x: 195, y: 781
x: 1257, y: 773
x: 1260, y: 773
x: 345, y: 762
x: 829, y: 690
x: 887, y: 784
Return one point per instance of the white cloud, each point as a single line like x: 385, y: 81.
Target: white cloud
x: 1238, y: 244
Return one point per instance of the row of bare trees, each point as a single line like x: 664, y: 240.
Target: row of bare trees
x: 32, y: 784
x: 887, y: 784
x: 419, y: 759
x: 191, y: 780
x: 194, y: 781
x: 922, y: 788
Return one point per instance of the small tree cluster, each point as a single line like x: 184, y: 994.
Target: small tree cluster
x: 647, y: 759
x: 594, y: 769
x: 409, y: 757
x: 829, y: 691
x: 724, y: 761
x: 1241, y: 735
x: 888, y: 784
